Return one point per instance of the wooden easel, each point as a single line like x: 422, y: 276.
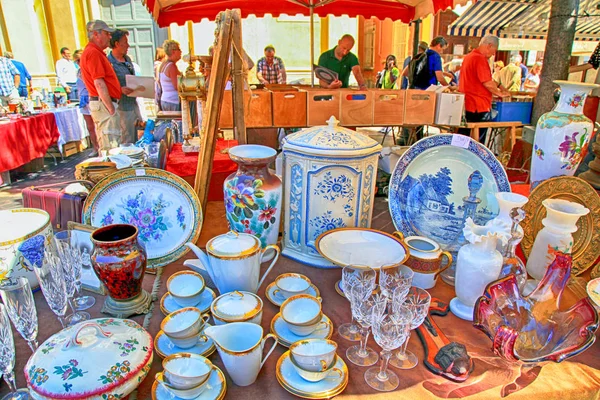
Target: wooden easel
x: 229, y: 33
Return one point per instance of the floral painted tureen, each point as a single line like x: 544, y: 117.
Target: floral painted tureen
x: 329, y: 182
x: 104, y: 358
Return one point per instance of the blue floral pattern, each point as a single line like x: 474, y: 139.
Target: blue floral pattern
x: 296, y: 204
x: 325, y: 222
x: 181, y: 217
x: 334, y: 188
x: 33, y: 250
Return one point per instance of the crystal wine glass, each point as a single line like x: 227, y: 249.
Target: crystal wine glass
x: 394, y: 276
x: 390, y: 332
x: 71, y: 249
x: 52, y: 282
x: 18, y: 299
x: 366, y: 307
x: 8, y: 358
x: 417, y: 302
x: 352, y: 275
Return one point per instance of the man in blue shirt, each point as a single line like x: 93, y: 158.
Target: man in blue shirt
x: 434, y: 64
x: 25, y: 77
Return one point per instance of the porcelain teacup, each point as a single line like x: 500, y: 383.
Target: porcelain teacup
x: 190, y: 393
x: 313, y: 376
x: 289, y: 285
x: 186, y: 370
x: 303, y: 315
x: 186, y: 288
x: 184, y: 327
x: 426, y: 260
x: 314, y: 355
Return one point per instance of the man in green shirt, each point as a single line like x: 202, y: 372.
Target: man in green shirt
x: 342, y: 61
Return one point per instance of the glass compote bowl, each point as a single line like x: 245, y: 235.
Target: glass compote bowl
x: 532, y: 329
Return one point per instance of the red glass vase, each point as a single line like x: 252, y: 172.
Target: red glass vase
x: 119, y: 260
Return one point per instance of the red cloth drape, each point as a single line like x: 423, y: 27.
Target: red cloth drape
x: 26, y: 139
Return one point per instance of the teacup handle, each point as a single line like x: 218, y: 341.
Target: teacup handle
x: 206, y: 317
x: 323, y: 365
x: 398, y: 234
x: 448, y: 263
x: 336, y: 369
x: 271, y: 336
x: 275, y: 248
x: 325, y: 323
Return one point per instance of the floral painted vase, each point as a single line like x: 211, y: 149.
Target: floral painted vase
x: 252, y: 194
x: 557, y: 235
x: 562, y: 135
x: 119, y: 259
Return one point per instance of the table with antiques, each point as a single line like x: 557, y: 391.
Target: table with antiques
x: 71, y: 125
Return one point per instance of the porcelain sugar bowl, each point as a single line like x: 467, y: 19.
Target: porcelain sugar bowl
x: 98, y: 359
x: 329, y: 182
x: 237, y: 307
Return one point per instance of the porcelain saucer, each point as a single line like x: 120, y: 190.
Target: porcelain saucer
x: 278, y: 299
x: 168, y: 305
x: 164, y: 347
x: 338, y: 288
x: 329, y: 387
x: 286, y: 338
x: 215, y: 389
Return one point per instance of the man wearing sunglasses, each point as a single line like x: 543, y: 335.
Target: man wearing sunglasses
x: 122, y: 64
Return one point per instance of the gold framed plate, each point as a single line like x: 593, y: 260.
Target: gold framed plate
x: 586, y: 241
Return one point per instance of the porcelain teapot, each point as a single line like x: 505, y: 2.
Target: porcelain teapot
x: 240, y: 345
x: 233, y: 261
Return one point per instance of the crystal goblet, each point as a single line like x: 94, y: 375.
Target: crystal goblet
x: 52, y: 281
x: 366, y: 307
x: 20, y: 306
x: 352, y: 275
x: 8, y: 358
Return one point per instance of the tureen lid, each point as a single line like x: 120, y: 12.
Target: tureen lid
x: 233, y: 244
x: 329, y: 138
x: 236, y: 306
x: 89, y: 359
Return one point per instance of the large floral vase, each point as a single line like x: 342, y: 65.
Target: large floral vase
x: 562, y: 135
x: 252, y: 194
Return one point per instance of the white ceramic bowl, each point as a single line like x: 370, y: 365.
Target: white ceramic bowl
x: 186, y: 287
x: 313, y: 355
x: 186, y: 370
x: 183, y: 323
x: 289, y: 285
x: 318, y: 376
x: 301, y: 309
x: 190, y: 393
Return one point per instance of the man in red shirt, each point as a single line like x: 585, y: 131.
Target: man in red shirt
x: 102, y: 84
x: 477, y: 84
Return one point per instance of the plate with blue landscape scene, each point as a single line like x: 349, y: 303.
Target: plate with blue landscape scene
x: 438, y: 180
x: 164, y: 207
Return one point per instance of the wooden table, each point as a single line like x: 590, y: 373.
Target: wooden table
x: 577, y: 378
x: 512, y: 126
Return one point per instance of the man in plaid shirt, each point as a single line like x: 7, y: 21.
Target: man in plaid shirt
x: 270, y: 69
x: 10, y: 79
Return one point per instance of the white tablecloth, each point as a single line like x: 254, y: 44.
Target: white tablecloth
x: 70, y: 125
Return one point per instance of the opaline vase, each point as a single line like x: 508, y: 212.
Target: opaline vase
x: 506, y: 202
x: 478, y: 264
x: 252, y: 194
x: 562, y: 135
x: 557, y: 235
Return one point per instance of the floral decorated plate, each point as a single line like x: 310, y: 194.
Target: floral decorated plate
x: 215, y: 389
x: 163, y: 206
x: 278, y: 299
x: 288, y: 378
x: 164, y: 347
x: 97, y: 359
x: 168, y: 305
x: 286, y: 338
x: 433, y: 181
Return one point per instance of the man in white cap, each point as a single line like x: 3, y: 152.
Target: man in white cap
x: 102, y: 84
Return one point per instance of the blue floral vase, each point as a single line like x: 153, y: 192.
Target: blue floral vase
x: 252, y: 194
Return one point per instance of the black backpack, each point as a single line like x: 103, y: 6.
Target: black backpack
x: 418, y: 72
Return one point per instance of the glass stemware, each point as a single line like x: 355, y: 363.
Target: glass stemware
x: 393, y: 277
x: 417, y: 301
x: 71, y: 252
x: 52, y: 282
x: 352, y: 275
x: 366, y: 307
x: 390, y: 332
x: 18, y: 300
x: 8, y: 358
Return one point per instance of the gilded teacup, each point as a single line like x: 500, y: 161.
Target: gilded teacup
x: 184, y: 327
x: 312, y: 376
x: 313, y: 355
x: 186, y: 370
x: 190, y: 393
x: 289, y: 285
x: 426, y: 260
x: 186, y: 288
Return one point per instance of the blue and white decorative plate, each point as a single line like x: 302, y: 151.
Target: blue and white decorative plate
x: 436, y: 178
x: 164, y: 207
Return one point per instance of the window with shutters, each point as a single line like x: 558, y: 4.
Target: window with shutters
x: 369, y: 61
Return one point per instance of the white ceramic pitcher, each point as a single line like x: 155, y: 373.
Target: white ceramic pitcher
x: 240, y: 345
x: 233, y: 261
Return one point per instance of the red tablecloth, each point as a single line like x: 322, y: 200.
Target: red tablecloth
x: 26, y: 139
x: 185, y: 165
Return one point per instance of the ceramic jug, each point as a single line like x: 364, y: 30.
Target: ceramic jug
x: 240, y: 345
x: 232, y: 261
x: 426, y: 261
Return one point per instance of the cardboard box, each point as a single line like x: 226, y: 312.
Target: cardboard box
x: 449, y: 108
x: 388, y: 107
x: 356, y: 107
x: 419, y: 107
x: 321, y: 105
x: 289, y: 108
